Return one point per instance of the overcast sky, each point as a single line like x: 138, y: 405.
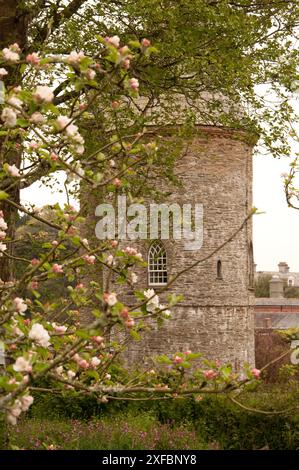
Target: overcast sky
x: 275, y: 233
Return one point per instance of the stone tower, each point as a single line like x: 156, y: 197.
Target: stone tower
x: 216, y: 315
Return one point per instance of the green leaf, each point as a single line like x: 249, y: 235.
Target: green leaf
x: 3, y: 195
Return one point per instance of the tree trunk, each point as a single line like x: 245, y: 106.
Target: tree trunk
x: 13, y: 28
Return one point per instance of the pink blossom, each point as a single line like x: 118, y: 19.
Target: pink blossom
x: 114, y: 243
x: 80, y: 286
x: 82, y: 106
x: 72, y: 230
x: 55, y: 243
x: 130, y: 322
x: 145, y: 42
x: 177, y: 360
x: 130, y: 251
x: 115, y: 104
x: 124, y: 313
x: 117, y: 182
x: 90, y: 259
x: 210, y: 374
x: 33, y: 145
x: 27, y: 321
x: 34, y: 262
x: 57, y: 268
x: 34, y: 285
x: 126, y: 63
x: 114, y: 40
x: 124, y: 50
x: 97, y: 339
x: 256, y: 373
x: 59, y: 328
x: 83, y: 364
x: 76, y: 357
x: 33, y: 58
x: 54, y: 157
x: 188, y: 352
x: 134, y: 84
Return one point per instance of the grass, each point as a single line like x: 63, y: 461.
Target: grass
x: 117, y: 433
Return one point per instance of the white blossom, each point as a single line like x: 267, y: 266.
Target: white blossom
x: 95, y: 361
x: 3, y: 247
x: 75, y: 58
x: 19, y: 305
x: 9, y: 117
x: 71, y: 374
x: 22, y: 365
x: 110, y: 299
x: 26, y: 402
x: 153, y: 303
x: 37, y: 118
x: 3, y: 224
x: 40, y: 335
x: 114, y: 41
x: 13, y: 171
x: 15, y: 102
x: 3, y: 72
x: 43, y: 94
x: 10, y: 55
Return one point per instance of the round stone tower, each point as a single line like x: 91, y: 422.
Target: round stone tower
x: 216, y: 315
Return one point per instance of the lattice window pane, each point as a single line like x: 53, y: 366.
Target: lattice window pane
x: 157, y: 264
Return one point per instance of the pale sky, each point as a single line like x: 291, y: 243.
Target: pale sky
x: 275, y: 233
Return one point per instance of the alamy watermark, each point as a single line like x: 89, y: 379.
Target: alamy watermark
x: 155, y: 221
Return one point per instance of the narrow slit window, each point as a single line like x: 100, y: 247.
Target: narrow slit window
x: 219, y: 269
x: 157, y: 264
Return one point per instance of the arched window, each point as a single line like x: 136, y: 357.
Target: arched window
x: 157, y: 264
x: 219, y: 269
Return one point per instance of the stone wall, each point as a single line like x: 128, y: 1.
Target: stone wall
x: 215, y: 316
